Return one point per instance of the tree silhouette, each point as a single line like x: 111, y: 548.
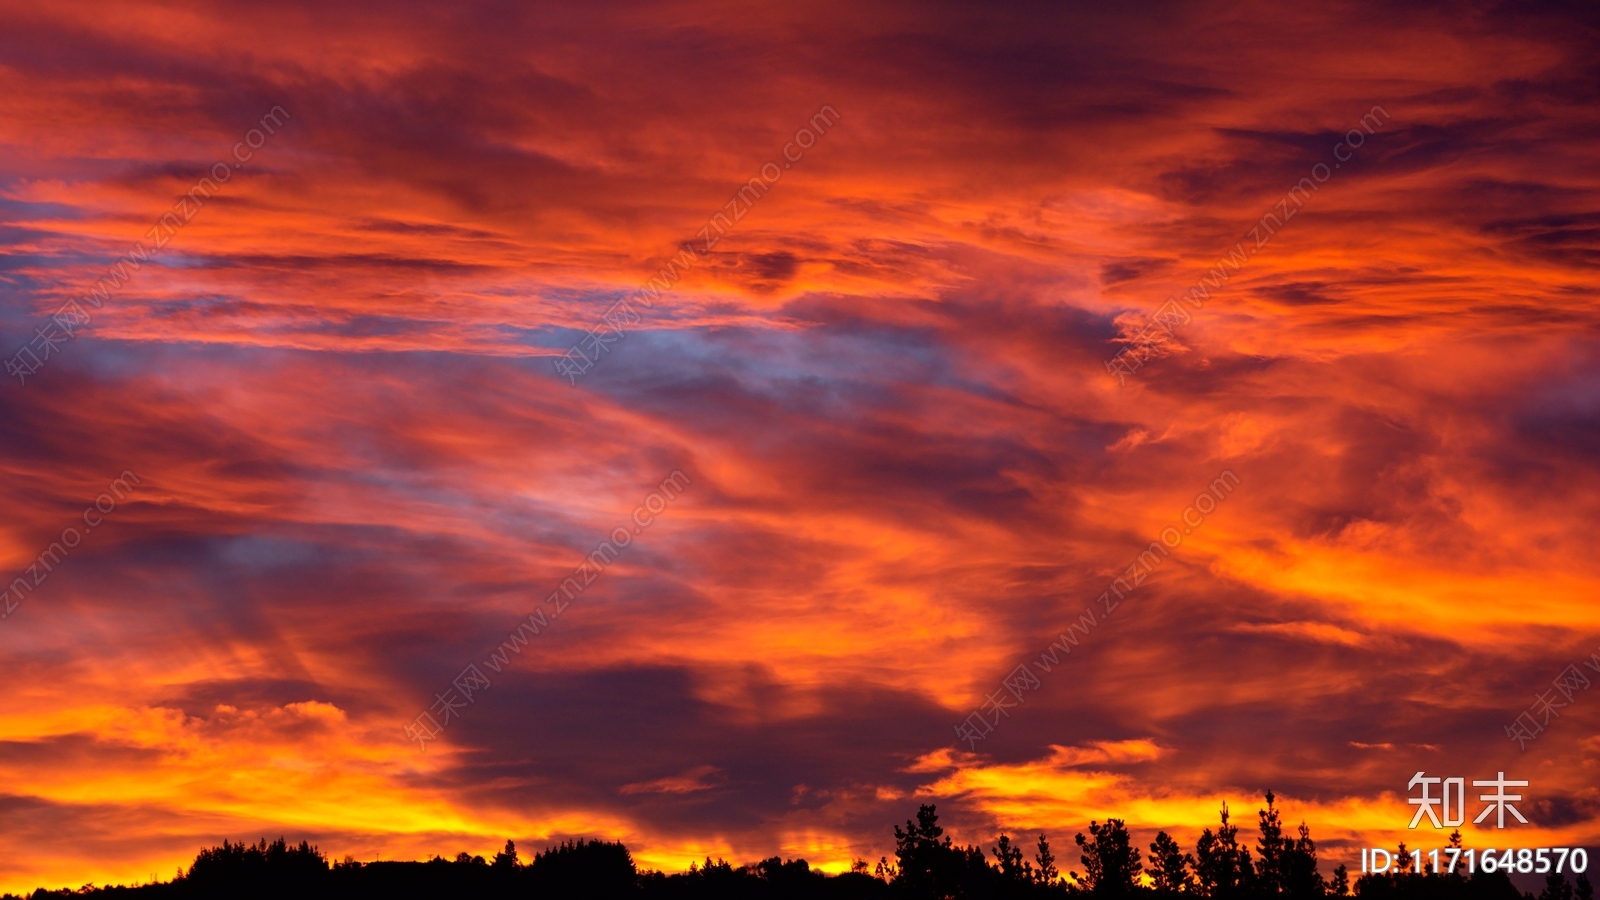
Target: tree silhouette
x: 923, y: 855
x: 928, y: 866
x: 1008, y: 857
x: 1271, y: 849
x: 1298, y: 872
x: 585, y: 868
x: 262, y: 870
x: 1556, y: 888
x: 1110, y: 861
x: 1341, y: 882
x: 1170, y: 868
x: 1046, y: 873
x: 1222, y: 867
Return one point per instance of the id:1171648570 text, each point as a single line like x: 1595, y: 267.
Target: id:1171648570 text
x: 1526, y: 860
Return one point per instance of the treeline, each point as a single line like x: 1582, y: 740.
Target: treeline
x: 927, y: 866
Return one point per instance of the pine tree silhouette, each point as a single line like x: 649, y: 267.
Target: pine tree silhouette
x: 1111, y: 862
x: 928, y: 866
x: 1222, y: 867
x: 1045, y: 874
x: 1170, y: 868
x: 1008, y: 858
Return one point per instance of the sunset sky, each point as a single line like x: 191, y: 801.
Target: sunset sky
x: 357, y: 462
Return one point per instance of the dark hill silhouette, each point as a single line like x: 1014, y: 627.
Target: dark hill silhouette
x: 927, y: 866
